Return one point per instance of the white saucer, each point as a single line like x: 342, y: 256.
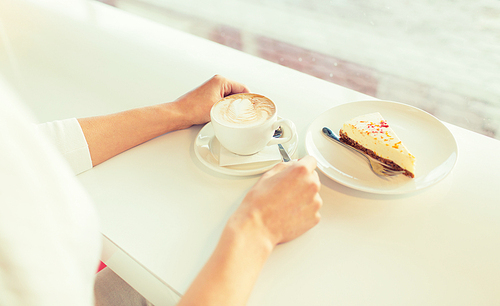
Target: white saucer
x: 427, y: 138
x: 207, y: 149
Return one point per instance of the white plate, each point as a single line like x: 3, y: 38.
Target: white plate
x: 427, y: 138
x: 207, y: 149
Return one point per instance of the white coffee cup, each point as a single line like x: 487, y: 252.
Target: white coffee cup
x: 245, y: 123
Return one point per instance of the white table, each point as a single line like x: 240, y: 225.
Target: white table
x: 161, y: 207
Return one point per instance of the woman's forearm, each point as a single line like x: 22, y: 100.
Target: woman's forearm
x: 281, y: 206
x: 110, y: 135
x: 230, y: 274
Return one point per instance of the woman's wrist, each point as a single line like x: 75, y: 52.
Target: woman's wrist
x: 172, y: 117
x: 250, y: 227
x: 233, y: 268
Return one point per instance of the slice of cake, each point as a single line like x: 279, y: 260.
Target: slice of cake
x: 372, y: 134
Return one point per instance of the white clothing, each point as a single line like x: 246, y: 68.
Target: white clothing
x: 67, y: 136
x: 49, y: 237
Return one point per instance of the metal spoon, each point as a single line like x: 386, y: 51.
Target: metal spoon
x: 284, y: 154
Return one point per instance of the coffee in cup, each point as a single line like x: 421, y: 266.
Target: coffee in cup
x: 243, y: 110
x: 245, y: 123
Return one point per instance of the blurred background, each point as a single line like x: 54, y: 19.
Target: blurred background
x: 442, y: 56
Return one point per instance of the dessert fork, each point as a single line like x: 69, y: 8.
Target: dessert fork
x: 377, y: 167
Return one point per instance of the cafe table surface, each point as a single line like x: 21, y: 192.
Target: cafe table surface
x: 162, y: 210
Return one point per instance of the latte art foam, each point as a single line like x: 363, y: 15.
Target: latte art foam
x: 244, y: 109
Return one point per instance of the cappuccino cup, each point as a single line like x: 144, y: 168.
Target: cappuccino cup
x: 245, y: 123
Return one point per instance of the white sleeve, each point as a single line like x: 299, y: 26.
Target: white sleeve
x: 68, y: 137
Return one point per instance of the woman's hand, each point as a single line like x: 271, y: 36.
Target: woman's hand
x: 196, y: 104
x: 281, y: 206
x: 285, y: 201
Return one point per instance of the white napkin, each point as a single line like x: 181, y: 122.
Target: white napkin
x: 269, y: 153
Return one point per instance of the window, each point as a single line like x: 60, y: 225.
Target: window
x: 442, y: 56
